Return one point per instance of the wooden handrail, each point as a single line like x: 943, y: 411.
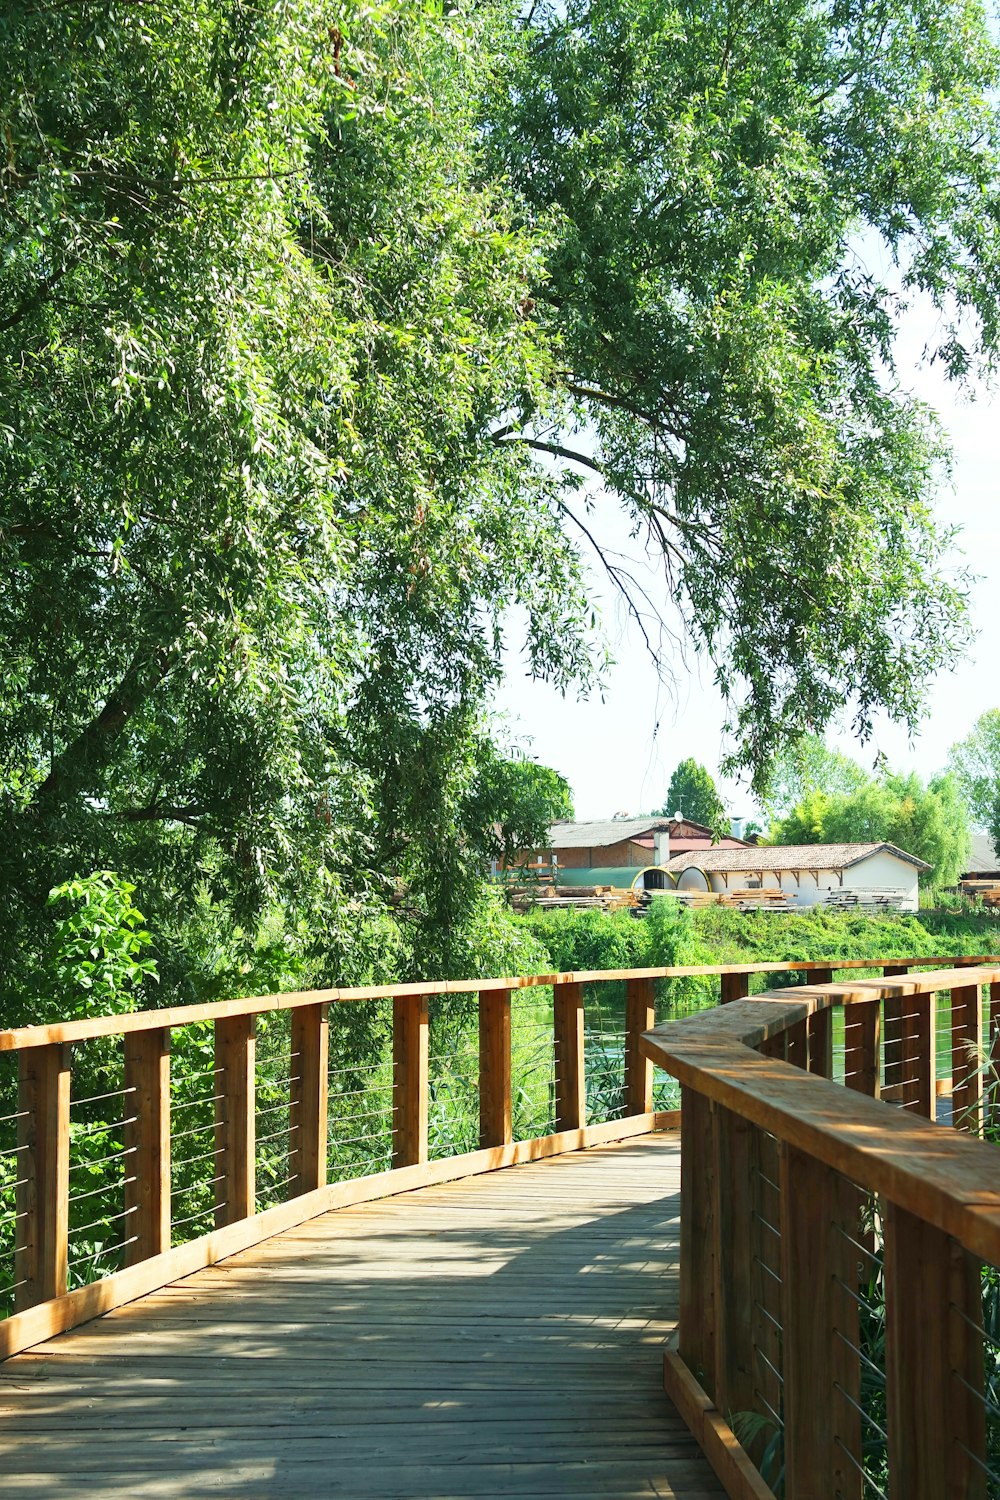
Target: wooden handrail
x: 766, y: 1143
x: 795, y: 1027
x: 16, y: 1039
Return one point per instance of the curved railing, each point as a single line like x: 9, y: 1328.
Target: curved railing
x: 839, y: 1290
x: 139, y: 1148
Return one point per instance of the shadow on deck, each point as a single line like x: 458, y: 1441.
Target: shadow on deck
x: 501, y: 1335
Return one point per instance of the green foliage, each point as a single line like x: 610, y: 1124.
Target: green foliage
x: 707, y: 174
x: 304, y: 312
x: 589, y: 939
x: 809, y: 766
x: 513, y: 803
x: 93, y: 962
x: 693, y: 792
x: 928, y: 821
x: 260, y: 312
x: 975, y: 763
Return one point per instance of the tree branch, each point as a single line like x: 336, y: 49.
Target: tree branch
x: 34, y: 302
x: 92, y: 744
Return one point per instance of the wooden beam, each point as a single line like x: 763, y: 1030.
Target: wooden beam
x: 861, y: 1047
x: 308, y: 1098
x: 696, y: 1319
x: 41, y: 1256
x: 410, y: 1054
x: 734, y: 986
x: 819, y: 1319
x: 495, y: 1105
x: 734, y: 1469
x: 640, y: 1016
x: 571, y: 1075
x: 147, y: 1144
x: 23, y: 1037
x: 235, y: 1119
x: 966, y: 1058
x: 797, y: 1044
x: 734, y: 1184
x: 934, y: 1363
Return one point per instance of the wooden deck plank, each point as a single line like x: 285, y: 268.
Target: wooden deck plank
x: 501, y: 1335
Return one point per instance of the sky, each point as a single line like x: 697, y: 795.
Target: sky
x: 618, y: 752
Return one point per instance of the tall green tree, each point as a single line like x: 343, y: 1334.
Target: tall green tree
x: 708, y: 173
x: 257, y: 312
x: 807, y: 767
x: 929, y: 821
x: 975, y: 764
x: 312, y: 322
x: 692, y: 791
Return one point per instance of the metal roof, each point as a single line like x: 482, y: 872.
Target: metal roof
x: 602, y: 831
x: 982, y: 856
x: 764, y: 857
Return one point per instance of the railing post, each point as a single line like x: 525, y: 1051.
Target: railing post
x: 994, y: 1052
x: 495, y: 1109
x: 861, y: 1047
x: 735, y: 986
x: 797, y: 1044
x: 147, y: 1142
x: 235, y: 1119
x: 571, y: 1076
x: 934, y: 1363
x: 966, y: 1058
x: 640, y: 1016
x: 819, y: 1318
x: 410, y: 1054
x: 42, y: 1199
x: 732, y: 1285
x: 918, y: 1047
x: 696, y: 1312
x: 308, y: 1098
x: 821, y: 1031
x: 893, y: 1033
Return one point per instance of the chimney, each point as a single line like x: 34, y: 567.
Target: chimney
x: 661, y: 846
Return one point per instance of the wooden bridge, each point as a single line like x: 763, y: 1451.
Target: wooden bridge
x: 800, y: 1253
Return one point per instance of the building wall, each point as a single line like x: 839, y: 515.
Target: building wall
x: 882, y: 871
x: 610, y: 856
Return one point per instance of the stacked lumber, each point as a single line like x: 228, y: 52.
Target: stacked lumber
x: 574, y: 897
x: 755, y: 898
x: 693, y: 899
x: 866, y: 898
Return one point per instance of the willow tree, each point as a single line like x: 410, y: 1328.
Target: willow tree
x: 257, y: 315
x: 720, y: 182
x: 311, y: 320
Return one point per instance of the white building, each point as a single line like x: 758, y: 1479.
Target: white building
x: 808, y: 873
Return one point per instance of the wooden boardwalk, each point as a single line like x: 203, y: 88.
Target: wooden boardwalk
x: 498, y: 1336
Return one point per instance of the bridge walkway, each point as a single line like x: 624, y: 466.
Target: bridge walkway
x: 497, y: 1336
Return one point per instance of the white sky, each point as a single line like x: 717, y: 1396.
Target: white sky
x: 617, y: 754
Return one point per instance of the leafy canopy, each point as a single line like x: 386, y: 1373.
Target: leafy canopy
x: 693, y: 792
x: 313, y: 320
x: 807, y: 767
x: 975, y: 763
x: 928, y: 821
x: 711, y: 175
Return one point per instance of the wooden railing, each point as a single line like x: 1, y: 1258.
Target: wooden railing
x: 840, y: 1258
x: 255, y: 1098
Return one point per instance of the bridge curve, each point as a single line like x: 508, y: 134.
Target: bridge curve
x: 501, y: 1335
